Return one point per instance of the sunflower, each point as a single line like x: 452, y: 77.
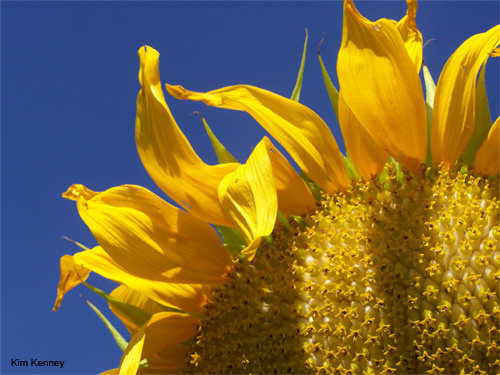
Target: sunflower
x: 384, y: 261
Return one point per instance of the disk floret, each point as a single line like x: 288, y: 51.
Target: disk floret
x: 392, y: 276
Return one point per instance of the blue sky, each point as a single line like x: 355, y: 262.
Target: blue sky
x: 69, y: 83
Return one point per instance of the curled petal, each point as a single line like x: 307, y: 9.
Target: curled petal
x: 365, y: 153
x: 151, y: 238
x: 294, y: 197
x: 412, y: 38
x: 487, y: 160
x: 71, y: 275
x: 166, y: 153
x: 299, y: 130
x: 249, y: 196
x: 381, y: 86
x: 455, y: 100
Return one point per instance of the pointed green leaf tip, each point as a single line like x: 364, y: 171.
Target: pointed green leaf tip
x: 333, y: 94
x: 298, y: 85
x: 483, y: 120
x: 122, y: 343
x: 223, y: 155
x: 430, y: 89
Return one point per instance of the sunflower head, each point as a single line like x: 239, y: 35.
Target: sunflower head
x: 385, y: 260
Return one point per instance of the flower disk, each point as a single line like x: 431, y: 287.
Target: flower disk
x: 399, y: 276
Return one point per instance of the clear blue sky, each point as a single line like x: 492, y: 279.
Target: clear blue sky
x: 69, y: 83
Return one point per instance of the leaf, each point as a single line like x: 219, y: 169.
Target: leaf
x: 223, y: 155
x: 333, y: 94
x: 122, y: 343
x: 298, y: 84
x: 136, y: 314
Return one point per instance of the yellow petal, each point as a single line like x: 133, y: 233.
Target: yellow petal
x: 71, y: 275
x: 487, y: 160
x: 381, y: 86
x: 294, y: 197
x: 299, y: 130
x: 166, y: 153
x: 249, y: 196
x: 163, y: 330
x: 132, y: 355
x: 365, y: 153
x: 113, y: 371
x: 187, y: 297
x: 168, y: 328
x: 412, y: 38
x: 151, y: 238
x: 455, y: 100
x: 134, y: 298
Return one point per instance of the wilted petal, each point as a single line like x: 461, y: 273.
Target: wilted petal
x: 487, y: 160
x: 455, y: 99
x: 151, y: 238
x: 166, y: 153
x: 71, y: 275
x: 365, y: 153
x: 299, y: 130
x: 381, y: 86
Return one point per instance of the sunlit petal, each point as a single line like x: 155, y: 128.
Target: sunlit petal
x: 381, y: 86
x: 294, y: 197
x: 166, y: 153
x: 151, y: 238
x: 187, y: 297
x: 412, y: 38
x: 132, y: 355
x: 455, y: 100
x: 299, y: 130
x: 365, y: 153
x: 249, y: 196
x: 487, y: 160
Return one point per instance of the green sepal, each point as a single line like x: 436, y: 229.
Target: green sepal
x: 333, y: 94
x: 316, y: 191
x: 233, y: 240
x: 483, y: 120
x: 122, y: 343
x: 136, y: 314
x: 284, y: 221
x: 223, y: 155
x: 399, y: 169
x: 351, y: 171
x: 298, y: 85
x: 383, y: 176
x: 430, y: 89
